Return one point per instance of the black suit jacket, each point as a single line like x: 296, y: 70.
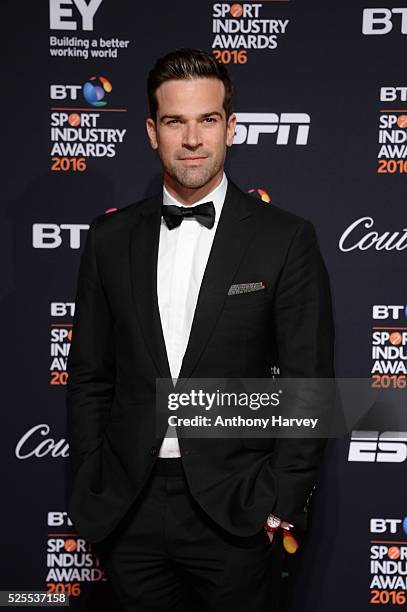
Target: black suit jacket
x: 118, y: 351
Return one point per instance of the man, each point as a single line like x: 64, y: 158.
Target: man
x: 181, y: 521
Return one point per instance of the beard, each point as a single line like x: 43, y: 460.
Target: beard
x: 193, y: 177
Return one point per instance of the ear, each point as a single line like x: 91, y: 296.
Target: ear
x: 152, y: 132
x: 230, y: 130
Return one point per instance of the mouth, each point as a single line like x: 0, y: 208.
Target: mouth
x: 192, y: 159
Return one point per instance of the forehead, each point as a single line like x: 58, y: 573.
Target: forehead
x: 186, y: 96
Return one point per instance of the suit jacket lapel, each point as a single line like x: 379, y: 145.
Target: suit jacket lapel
x: 144, y: 241
x: 234, y: 233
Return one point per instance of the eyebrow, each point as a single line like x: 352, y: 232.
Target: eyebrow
x: 203, y: 116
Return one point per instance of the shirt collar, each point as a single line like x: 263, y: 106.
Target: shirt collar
x: 217, y: 196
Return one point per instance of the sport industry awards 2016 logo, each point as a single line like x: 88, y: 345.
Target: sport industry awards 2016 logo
x: 388, y: 561
x: 60, y: 340
x: 389, y: 346
x: 240, y: 28
x: 392, y: 133
x: 70, y: 560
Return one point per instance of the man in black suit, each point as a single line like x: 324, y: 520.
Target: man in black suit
x: 198, y: 281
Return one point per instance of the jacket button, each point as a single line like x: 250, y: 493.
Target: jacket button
x: 154, y: 451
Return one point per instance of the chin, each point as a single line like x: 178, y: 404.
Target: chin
x: 194, y: 180
x: 195, y: 183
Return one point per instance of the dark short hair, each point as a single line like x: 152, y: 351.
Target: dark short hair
x: 188, y: 64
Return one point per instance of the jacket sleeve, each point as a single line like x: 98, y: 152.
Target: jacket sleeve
x: 91, y: 364
x: 305, y: 342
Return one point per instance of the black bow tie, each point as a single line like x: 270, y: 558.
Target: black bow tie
x: 174, y: 215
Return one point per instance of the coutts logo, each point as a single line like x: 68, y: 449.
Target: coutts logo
x: 355, y: 237
x: 36, y: 442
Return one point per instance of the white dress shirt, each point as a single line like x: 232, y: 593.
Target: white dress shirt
x: 182, y: 257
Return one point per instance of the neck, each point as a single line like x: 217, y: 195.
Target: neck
x: 190, y: 195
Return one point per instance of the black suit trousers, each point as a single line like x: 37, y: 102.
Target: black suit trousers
x: 168, y: 554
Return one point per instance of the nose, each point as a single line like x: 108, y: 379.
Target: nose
x: 191, y: 136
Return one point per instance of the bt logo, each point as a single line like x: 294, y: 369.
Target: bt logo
x: 94, y: 91
x: 62, y: 309
x: 48, y: 235
x: 260, y: 194
x: 380, y: 525
x: 380, y: 21
x: 382, y: 311
x: 58, y: 519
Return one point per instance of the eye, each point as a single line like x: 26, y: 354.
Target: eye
x: 210, y: 119
x: 172, y: 121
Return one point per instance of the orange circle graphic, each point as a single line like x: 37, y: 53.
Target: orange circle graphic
x: 402, y: 121
x: 395, y: 338
x: 394, y: 552
x: 236, y: 10
x: 74, y: 119
x: 70, y: 545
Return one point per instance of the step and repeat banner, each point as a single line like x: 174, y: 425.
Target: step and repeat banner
x: 321, y: 100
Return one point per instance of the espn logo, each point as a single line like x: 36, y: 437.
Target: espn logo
x: 251, y: 125
x: 372, y: 446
